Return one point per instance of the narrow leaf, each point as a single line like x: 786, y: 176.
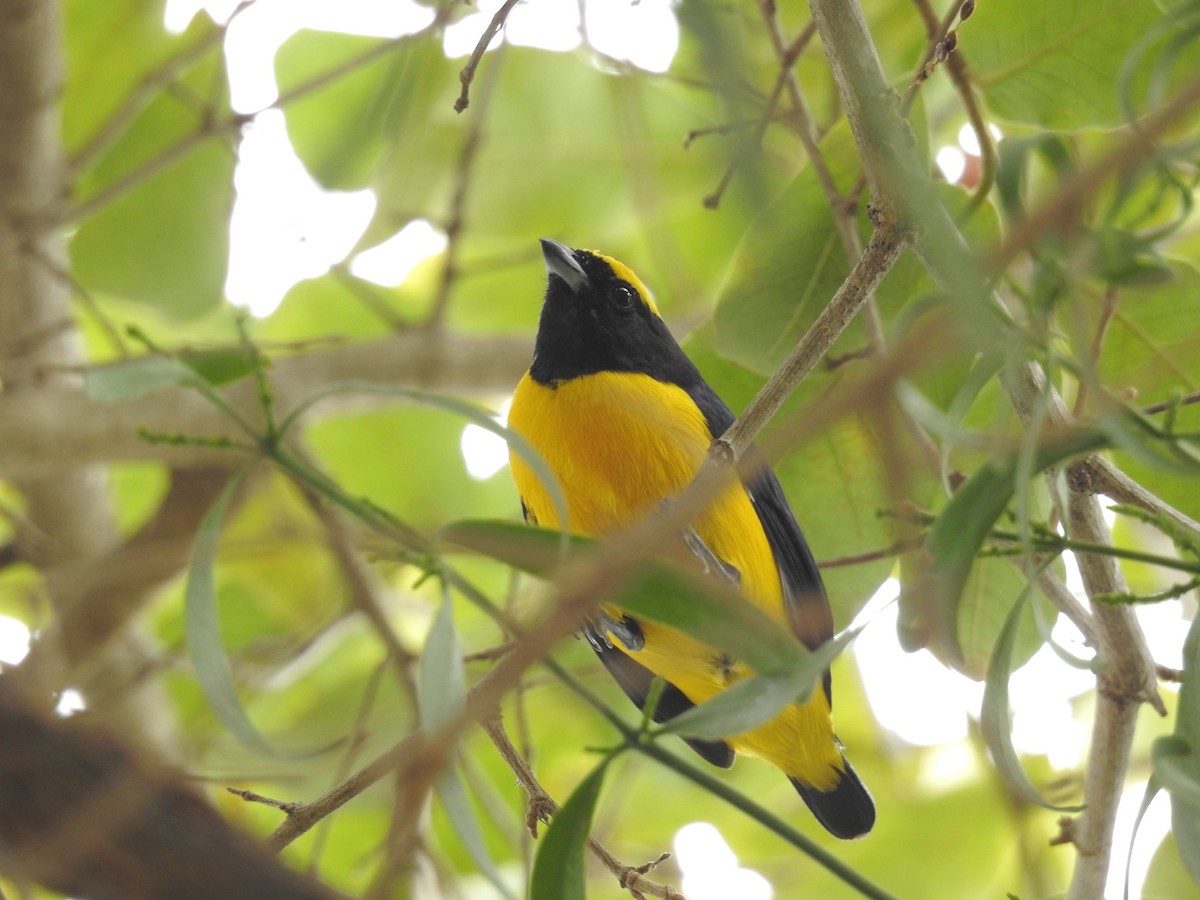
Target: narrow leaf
x: 468, y: 411
x: 1176, y: 759
x: 442, y: 692
x: 958, y: 535
x: 994, y: 719
x: 558, y: 871
x: 706, y: 608
x: 203, y: 628
x: 533, y: 550
x: 711, y: 611
x: 128, y: 380
x: 1152, y: 789
x: 758, y: 699
x: 441, y: 695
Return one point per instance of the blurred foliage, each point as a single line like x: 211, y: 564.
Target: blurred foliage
x: 591, y: 150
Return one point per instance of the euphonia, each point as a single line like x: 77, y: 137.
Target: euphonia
x: 623, y: 419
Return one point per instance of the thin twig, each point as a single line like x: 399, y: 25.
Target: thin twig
x: 885, y: 247
x: 542, y: 808
x: 1185, y: 400
x: 467, y: 75
x: 463, y: 172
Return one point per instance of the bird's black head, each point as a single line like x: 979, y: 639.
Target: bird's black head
x: 599, y: 317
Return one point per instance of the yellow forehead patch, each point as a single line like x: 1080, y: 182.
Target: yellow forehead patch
x: 625, y: 273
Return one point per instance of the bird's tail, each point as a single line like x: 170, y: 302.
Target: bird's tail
x: 847, y: 811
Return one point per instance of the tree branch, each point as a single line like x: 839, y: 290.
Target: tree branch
x: 52, y: 427
x: 85, y: 815
x: 542, y: 808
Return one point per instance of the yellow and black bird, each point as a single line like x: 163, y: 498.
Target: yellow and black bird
x: 623, y: 419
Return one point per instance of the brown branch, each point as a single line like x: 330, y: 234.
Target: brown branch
x: 542, y: 808
x: 364, y: 586
x: 455, y: 224
x: 885, y: 247
x: 49, y: 428
x: 467, y: 75
x: 1185, y: 400
x: 85, y: 815
x: 1128, y: 677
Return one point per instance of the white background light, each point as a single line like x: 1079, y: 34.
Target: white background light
x: 710, y: 869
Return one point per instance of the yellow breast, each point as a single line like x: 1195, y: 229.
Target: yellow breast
x: 619, y: 444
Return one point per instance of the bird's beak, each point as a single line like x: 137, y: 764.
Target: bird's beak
x: 560, y: 261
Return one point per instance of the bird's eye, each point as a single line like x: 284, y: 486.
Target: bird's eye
x: 622, y: 297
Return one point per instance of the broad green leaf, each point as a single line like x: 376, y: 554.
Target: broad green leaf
x: 386, y: 99
x: 983, y: 610
x: 558, y: 870
x: 203, y: 628
x: 111, y: 49
x: 1054, y: 64
x: 1152, y: 347
x: 162, y: 240
x: 756, y: 700
x: 787, y: 266
x: 994, y: 717
x: 166, y: 242
x: 222, y: 365
x: 706, y: 609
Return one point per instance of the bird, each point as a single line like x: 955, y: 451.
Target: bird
x: 623, y: 420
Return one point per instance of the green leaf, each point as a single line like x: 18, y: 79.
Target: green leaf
x: 112, y: 48
x: 930, y: 602
x: 756, y: 700
x: 1152, y: 789
x: 536, y: 551
x: 123, y: 381
x: 1176, y: 759
x: 787, y: 266
x: 222, y: 365
x: 442, y: 693
x: 1152, y: 348
x: 983, y: 609
x: 203, y: 627
x: 162, y: 240
x: 558, y: 870
x: 1054, y: 64
x: 165, y: 243
x: 994, y: 718
x: 442, y: 696
x: 383, y: 102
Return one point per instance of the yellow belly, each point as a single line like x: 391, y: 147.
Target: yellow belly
x: 619, y: 444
